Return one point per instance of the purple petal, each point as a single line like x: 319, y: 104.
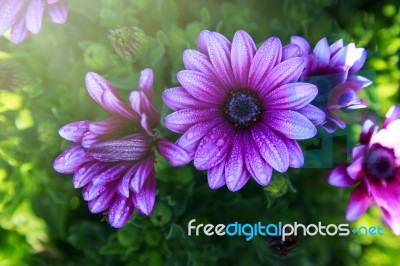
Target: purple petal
x: 87, y: 172
x: 271, y: 147
x: 108, y: 126
x: 240, y: 182
x: 360, y: 55
x: 322, y: 52
x: 339, y: 177
x: 178, y: 98
x: 193, y: 136
x: 9, y: 14
x: 336, y: 46
x: 135, y: 147
x: 141, y: 105
x: 144, y: 200
x: 355, y: 168
x: 19, y: 31
x: 235, y: 163
x: 201, y: 86
x: 88, y: 139
x: 70, y: 160
x: 359, y: 81
x: 176, y: 155
x: 368, y: 130
x: 314, y: 114
x: 202, y: 42
x: 291, y: 96
x: 219, y: 49
x: 386, y: 194
x: 242, y: 53
x: 392, y: 220
x: 259, y: 169
x: 34, y: 16
x: 50, y: 2
x: 58, y: 12
x: 111, y: 173
x: 143, y: 172
x: 285, y: 72
x: 74, y: 131
x: 124, y: 184
x: 120, y: 211
x: 213, y: 147
x: 290, y: 50
x: 216, y: 176
x: 296, y: 158
x: 358, y: 204
x: 93, y: 191
x: 265, y: 59
x: 102, y: 202
x: 302, y: 43
x: 290, y: 124
x: 180, y: 121
x: 146, y: 83
x: 391, y: 115
x: 359, y: 151
x: 106, y: 95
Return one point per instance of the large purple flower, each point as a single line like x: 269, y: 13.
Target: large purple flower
x: 376, y: 171
x: 25, y: 16
x: 332, y: 68
x: 113, y: 160
x: 239, y: 111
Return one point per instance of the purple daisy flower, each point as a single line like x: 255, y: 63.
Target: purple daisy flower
x: 25, y: 16
x: 332, y: 68
x: 239, y: 110
x: 113, y: 160
x: 376, y: 171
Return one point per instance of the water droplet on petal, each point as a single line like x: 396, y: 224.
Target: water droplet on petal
x: 220, y: 142
x: 189, y: 136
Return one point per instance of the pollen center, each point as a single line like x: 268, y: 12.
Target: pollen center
x: 242, y: 108
x: 380, y: 163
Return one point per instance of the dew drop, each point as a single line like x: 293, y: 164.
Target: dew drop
x: 220, y: 142
x: 189, y: 136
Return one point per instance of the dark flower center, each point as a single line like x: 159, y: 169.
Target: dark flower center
x: 379, y: 164
x: 242, y: 108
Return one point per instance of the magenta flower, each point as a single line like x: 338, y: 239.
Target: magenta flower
x: 25, y: 16
x: 113, y: 160
x: 332, y: 68
x: 375, y: 171
x: 239, y: 110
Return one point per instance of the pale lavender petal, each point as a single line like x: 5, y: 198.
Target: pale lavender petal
x: 367, y: 131
x: 290, y: 50
x: 314, y: 114
x: 240, y: 182
x: 235, y: 163
x: 146, y: 83
x: 88, y: 139
x: 70, y: 160
x: 202, y: 42
x: 93, y: 191
x: 359, y: 151
x: 178, y: 99
x: 216, y: 176
x: 360, y: 55
x: 302, y: 43
x: 144, y: 200
x: 200, y: 86
x: 259, y: 169
x: 19, y: 32
x: 9, y: 14
x: 392, y: 114
x: 265, y: 59
x: 102, y: 202
x: 242, y: 53
x: 111, y: 173
x: 182, y: 120
x: 120, y: 211
x: 339, y: 177
x: 219, y: 49
x: 58, y: 12
x: 354, y: 170
x: 290, y: 124
x: 74, y: 131
x: 143, y: 172
x: 291, y: 96
x: 336, y: 46
x: 360, y: 81
x: 50, y: 2
x: 392, y: 220
x: 271, y: 147
x: 108, y: 126
x: 358, y: 204
x: 176, y: 155
x: 322, y: 52
x: 34, y: 16
x: 213, y: 147
x: 135, y: 147
x: 296, y: 158
x: 87, y: 172
x: 146, y: 125
x: 285, y: 72
x: 124, y: 184
x: 106, y: 95
x: 142, y: 105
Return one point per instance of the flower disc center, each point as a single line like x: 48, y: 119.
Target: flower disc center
x: 380, y: 163
x: 242, y: 108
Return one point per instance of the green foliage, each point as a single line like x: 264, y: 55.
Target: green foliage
x: 44, y: 221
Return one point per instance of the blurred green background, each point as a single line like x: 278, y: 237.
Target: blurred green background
x: 44, y: 221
